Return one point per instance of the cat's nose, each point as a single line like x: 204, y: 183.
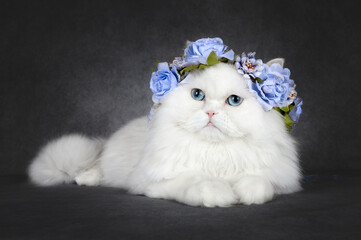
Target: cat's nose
x: 211, y: 113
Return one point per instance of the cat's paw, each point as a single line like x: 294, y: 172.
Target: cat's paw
x: 156, y: 190
x: 90, y: 177
x: 253, y: 190
x: 209, y: 193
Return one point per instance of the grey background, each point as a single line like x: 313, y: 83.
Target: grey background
x: 84, y: 66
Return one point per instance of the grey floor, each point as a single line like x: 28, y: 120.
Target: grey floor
x: 329, y: 207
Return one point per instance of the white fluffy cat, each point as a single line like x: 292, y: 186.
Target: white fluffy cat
x: 201, y: 153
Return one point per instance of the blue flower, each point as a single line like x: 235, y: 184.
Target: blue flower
x: 297, y: 110
x: 276, y: 90
x: 197, y: 52
x: 163, y: 81
x: 248, y: 65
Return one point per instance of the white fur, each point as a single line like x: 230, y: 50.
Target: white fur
x: 247, y: 156
x: 90, y: 177
x: 61, y: 160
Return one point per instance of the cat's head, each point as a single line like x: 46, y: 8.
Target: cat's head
x: 216, y: 95
x: 213, y: 104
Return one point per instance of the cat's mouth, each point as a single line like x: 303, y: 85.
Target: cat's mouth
x: 212, y: 133
x: 211, y: 125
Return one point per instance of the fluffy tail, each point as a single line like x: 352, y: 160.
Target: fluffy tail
x: 61, y: 160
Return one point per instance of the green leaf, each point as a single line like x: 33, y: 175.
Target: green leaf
x: 288, y: 120
x: 189, y: 68
x: 202, y: 66
x: 278, y: 110
x: 259, y: 80
x: 291, y: 106
x: 286, y: 109
x: 286, y: 117
x: 212, y: 58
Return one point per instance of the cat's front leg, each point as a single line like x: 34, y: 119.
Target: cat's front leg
x: 194, y: 189
x: 253, y: 189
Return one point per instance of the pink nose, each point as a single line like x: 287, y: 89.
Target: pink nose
x: 210, y: 114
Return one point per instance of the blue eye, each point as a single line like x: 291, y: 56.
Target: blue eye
x: 198, y: 94
x: 234, y: 100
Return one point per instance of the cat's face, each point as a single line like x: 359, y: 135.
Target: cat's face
x: 213, y: 104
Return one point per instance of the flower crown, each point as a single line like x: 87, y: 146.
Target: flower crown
x: 271, y: 84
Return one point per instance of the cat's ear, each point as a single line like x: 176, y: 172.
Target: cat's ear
x: 280, y: 61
